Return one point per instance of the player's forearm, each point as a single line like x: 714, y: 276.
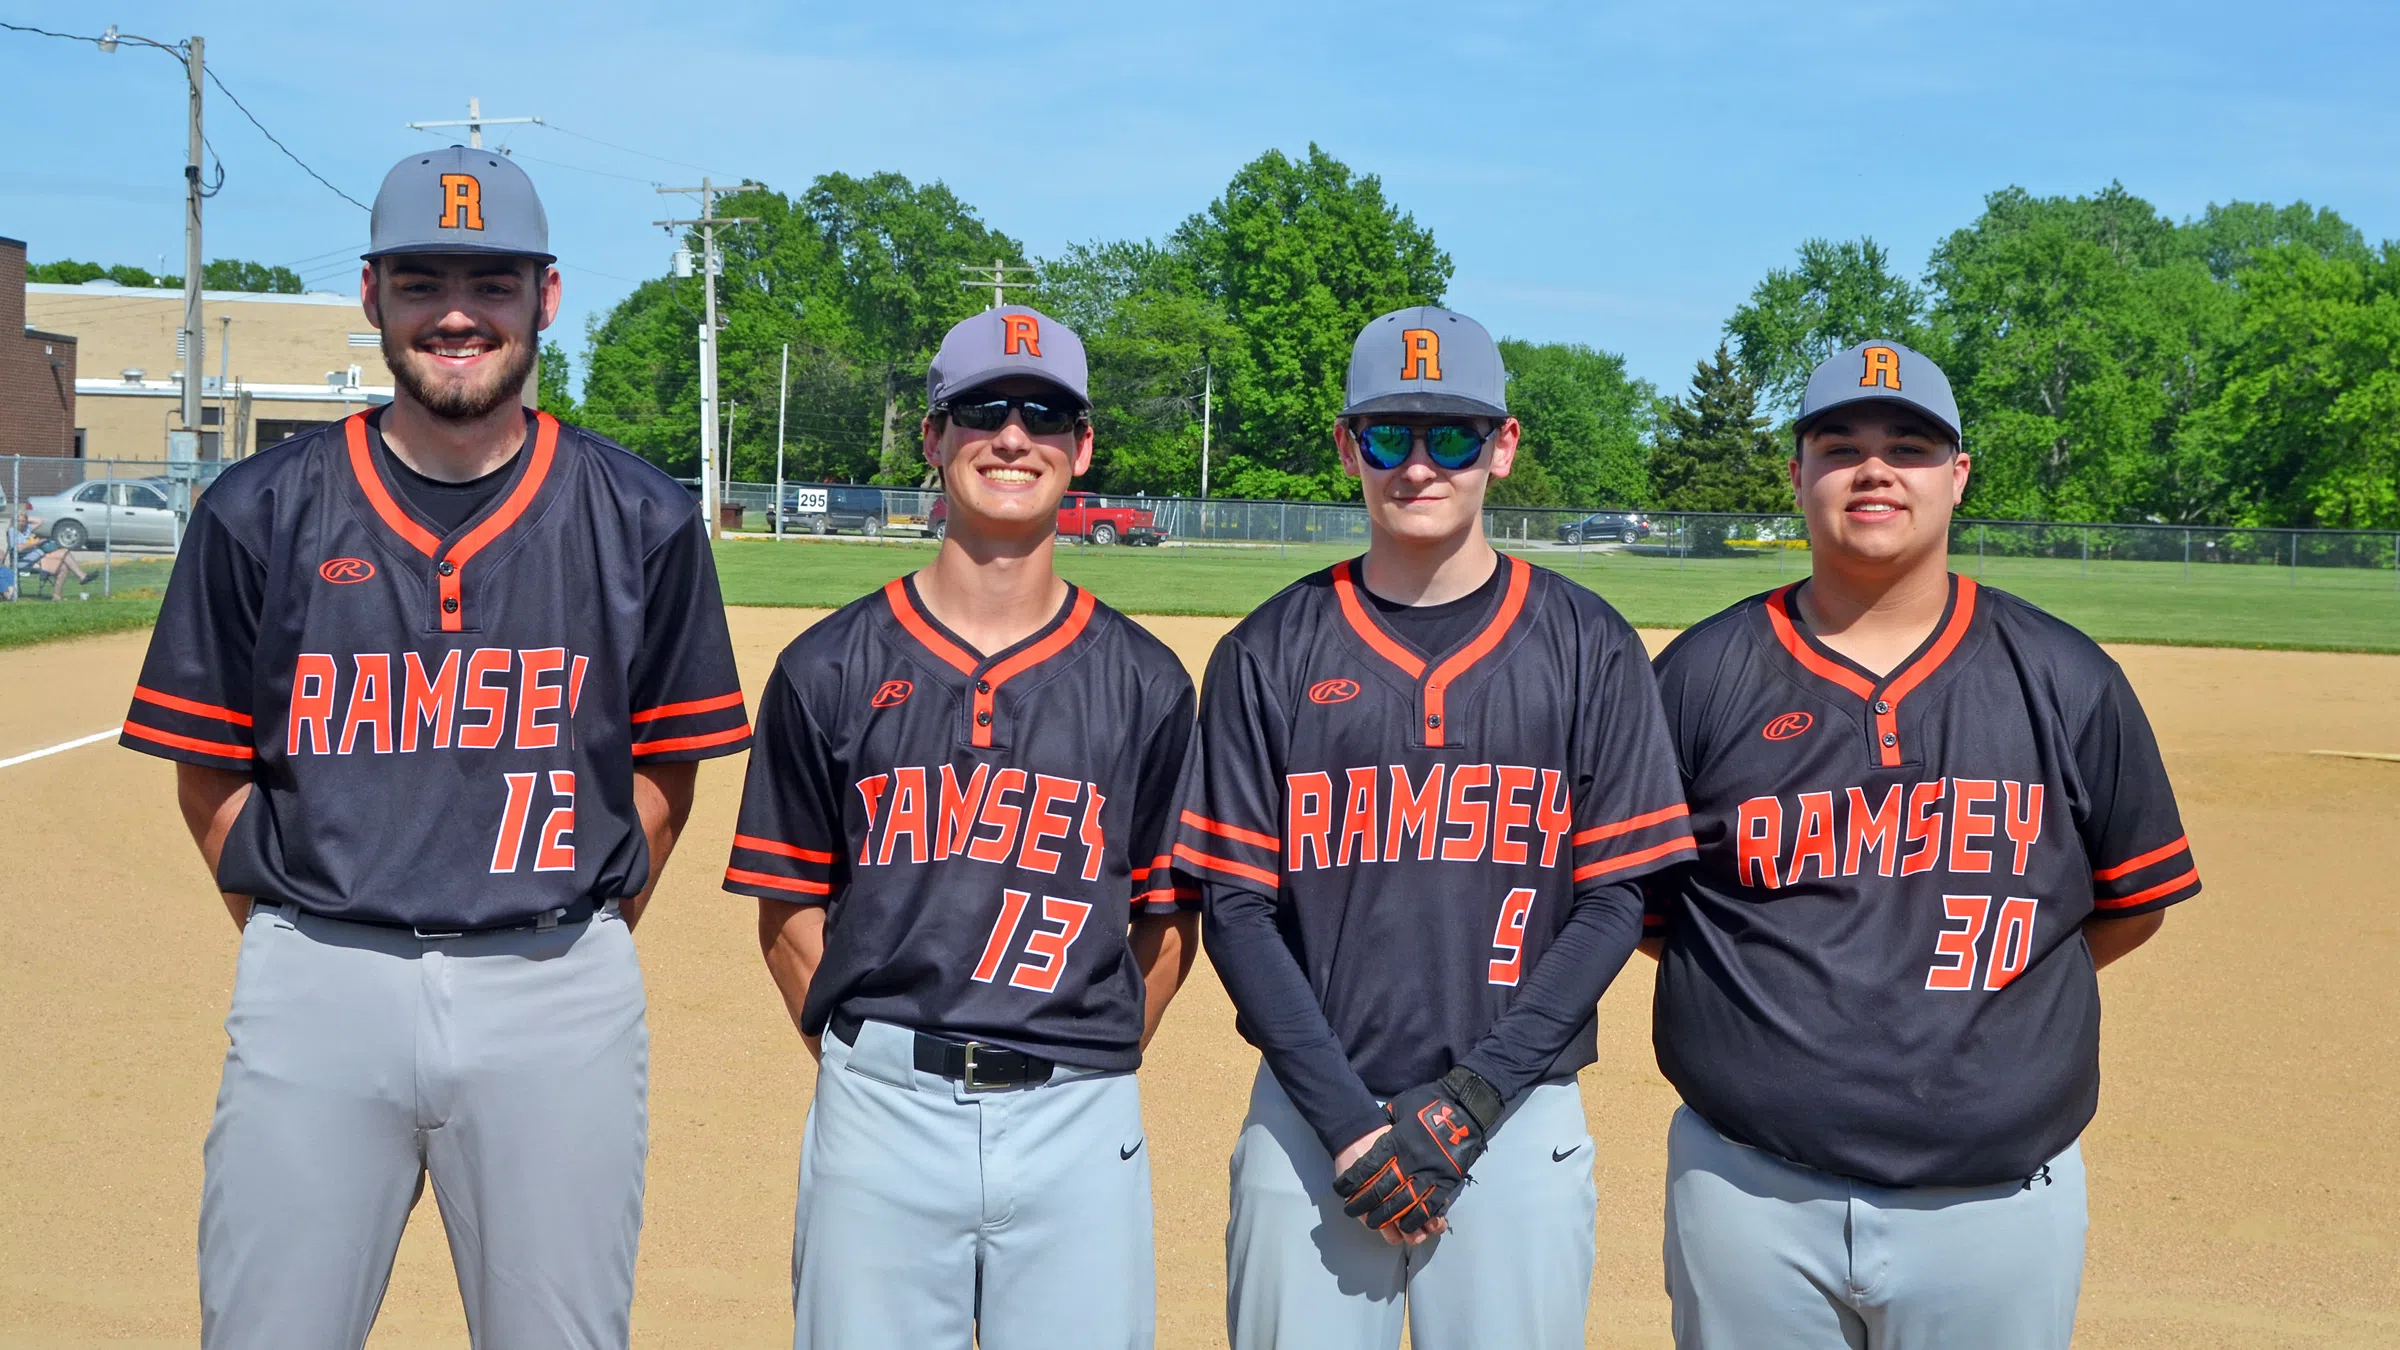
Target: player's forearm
x: 662, y: 797
x: 211, y: 800
x: 792, y: 938
x: 2113, y: 938
x: 1561, y: 990
x: 1163, y: 946
x: 1281, y: 1013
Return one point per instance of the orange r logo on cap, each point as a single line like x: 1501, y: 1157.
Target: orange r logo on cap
x: 1421, y: 354
x: 1021, y: 336
x: 462, y: 201
x: 1883, y: 368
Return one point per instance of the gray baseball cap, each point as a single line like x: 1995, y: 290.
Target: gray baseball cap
x: 1426, y: 360
x: 458, y: 201
x: 1882, y: 372
x: 1008, y: 340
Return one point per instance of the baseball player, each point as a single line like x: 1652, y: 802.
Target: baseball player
x: 1927, y: 812
x: 434, y: 678
x: 1425, y: 783
x: 955, y: 826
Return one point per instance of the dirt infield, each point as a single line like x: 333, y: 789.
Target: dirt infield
x: 2245, y: 1170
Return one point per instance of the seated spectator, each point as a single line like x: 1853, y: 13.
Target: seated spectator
x: 50, y: 557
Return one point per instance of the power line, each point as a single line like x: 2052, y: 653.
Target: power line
x: 287, y: 150
x: 627, y: 149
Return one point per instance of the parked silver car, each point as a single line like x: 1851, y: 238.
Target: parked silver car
x: 129, y: 511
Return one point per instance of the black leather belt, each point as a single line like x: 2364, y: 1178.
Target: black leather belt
x: 980, y: 1066
x: 579, y: 912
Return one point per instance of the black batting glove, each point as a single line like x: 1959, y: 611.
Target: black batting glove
x: 1412, y: 1173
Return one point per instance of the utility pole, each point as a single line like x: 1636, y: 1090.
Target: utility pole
x: 999, y: 279
x: 195, y: 332
x: 783, y: 398
x: 1208, y: 391
x: 474, y: 122
x: 710, y: 265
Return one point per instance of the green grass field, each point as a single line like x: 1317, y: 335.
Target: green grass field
x: 137, y: 586
x: 2221, y: 606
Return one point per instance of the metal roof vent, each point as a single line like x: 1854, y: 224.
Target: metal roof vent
x: 132, y: 374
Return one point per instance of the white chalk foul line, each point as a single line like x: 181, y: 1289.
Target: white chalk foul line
x: 61, y: 748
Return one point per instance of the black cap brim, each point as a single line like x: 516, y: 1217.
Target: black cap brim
x: 420, y: 250
x: 1422, y: 405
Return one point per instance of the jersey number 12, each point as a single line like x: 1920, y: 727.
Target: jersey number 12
x: 553, y: 849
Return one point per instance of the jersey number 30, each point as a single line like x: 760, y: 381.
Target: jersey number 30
x: 1045, y: 956
x: 1954, y: 948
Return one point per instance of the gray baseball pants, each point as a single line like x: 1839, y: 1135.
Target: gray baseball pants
x: 1514, y: 1269
x: 511, y: 1067
x: 1762, y: 1251
x: 939, y: 1219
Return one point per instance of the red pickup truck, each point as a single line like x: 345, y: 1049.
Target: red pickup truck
x: 1081, y: 515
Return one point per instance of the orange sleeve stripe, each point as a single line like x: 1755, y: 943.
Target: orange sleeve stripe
x: 1157, y: 864
x: 698, y: 705
x: 195, y: 708
x: 757, y: 844
x: 219, y: 748
x: 690, y: 742
x: 2142, y: 897
x: 1228, y: 866
x: 1166, y: 895
x: 2132, y: 865
x: 777, y: 883
x: 1619, y: 863
x: 1631, y: 823
x: 1233, y: 832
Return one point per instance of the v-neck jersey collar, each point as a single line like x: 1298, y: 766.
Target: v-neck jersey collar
x: 986, y: 674
x: 451, y: 553
x: 1883, y: 694
x: 1434, y: 677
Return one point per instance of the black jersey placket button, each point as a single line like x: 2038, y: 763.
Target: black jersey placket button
x: 447, y: 568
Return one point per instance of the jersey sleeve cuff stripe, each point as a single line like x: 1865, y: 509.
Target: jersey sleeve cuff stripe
x: 741, y: 877
x: 1166, y: 895
x: 193, y: 743
x: 1157, y: 864
x: 686, y: 709
x: 1228, y: 866
x: 2142, y: 897
x: 1679, y: 844
x: 760, y: 844
x: 660, y: 747
x: 192, y: 706
x: 1233, y: 832
x: 1631, y: 823
x: 2136, y: 864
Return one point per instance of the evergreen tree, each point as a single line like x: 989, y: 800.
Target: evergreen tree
x: 1714, y: 451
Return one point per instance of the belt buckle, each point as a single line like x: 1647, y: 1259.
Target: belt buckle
x: 434, y: 937
x: 967, y: 1078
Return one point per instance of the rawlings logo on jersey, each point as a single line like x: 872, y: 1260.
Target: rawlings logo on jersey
x: 1333, y: 691
x: 346, y: 571
x: 891, y: 694
x: 1787, y: 726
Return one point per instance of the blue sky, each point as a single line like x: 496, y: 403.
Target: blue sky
x: 1608, y: 173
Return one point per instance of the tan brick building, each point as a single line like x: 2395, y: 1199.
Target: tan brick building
x: 271, y: 365
x: 37, y: 371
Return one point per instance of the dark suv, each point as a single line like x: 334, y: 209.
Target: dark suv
x: 827, y: 508
x: 1626, y: 527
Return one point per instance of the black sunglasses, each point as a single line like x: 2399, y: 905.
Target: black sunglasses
x: 977, y: 411
x: 1452, y: 445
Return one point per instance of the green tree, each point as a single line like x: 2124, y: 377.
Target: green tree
x: 1714, y: 451
x: 68, y: 272
x: 2078, y: 332
x: 2306, y: 427
x: 554, y: 383
x: 232, y: 274
x: 2231, y: 236
x: 1586, y: 427
x: 1836, y: 295
x: 1299, y: 254
x: 1147, y: 332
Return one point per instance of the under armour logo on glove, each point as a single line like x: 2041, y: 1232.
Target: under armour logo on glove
x: 1411, y: 1174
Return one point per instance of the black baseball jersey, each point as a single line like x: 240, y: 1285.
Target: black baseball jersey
x: 1420, y: 825
x: 442, y: 728
x: 1876, y: 967
x: 982, y: 830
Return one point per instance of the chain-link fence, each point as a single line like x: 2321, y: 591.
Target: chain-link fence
x: 1997, y: 549
x: 118, y: 521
